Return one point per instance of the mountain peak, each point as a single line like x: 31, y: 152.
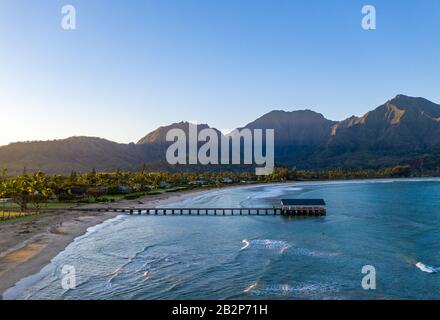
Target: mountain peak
x: 304, y: 127
x: 158, y: 136
x: 402, y: 99
x: 402, y: 96
x: 415, y: 105
x: 402, y: 128
x: 295, y: 115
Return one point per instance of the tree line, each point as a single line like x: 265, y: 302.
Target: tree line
x: 39, y: 188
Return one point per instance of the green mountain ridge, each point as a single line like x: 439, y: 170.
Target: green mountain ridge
x: 402, y: 130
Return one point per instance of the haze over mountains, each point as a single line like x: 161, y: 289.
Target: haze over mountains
x: 402, y: 130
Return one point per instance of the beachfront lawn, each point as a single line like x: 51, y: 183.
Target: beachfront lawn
x: 91, y: 200
x: 8, y: 215
x: 13, y: 206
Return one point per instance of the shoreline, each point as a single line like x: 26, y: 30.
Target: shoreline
x: 29, y: 244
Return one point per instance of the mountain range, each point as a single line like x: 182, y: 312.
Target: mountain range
x: 403, y: 130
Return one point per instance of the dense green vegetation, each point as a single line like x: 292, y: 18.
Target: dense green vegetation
x: 31, y: 192
x: 34, y: 191
x: 284, y: 174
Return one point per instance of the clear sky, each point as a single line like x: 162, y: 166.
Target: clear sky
x: 134, y: 65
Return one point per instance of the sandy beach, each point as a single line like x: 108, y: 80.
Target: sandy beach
x: 27, y: 245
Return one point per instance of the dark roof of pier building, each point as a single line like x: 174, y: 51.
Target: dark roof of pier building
x: 303, y: 202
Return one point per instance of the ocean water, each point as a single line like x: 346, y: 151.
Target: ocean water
x: 391, y: 225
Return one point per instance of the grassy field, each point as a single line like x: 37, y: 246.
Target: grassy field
x: 11, y: 210
x: 11, y: 206
x: 7, y: 215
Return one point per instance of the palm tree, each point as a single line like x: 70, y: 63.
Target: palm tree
x: 18, y: 189
x: 39, y: 189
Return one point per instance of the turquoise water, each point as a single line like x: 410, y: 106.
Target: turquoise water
x: 391, y: 225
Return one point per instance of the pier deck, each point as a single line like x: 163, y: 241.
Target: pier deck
x: 211, y: 211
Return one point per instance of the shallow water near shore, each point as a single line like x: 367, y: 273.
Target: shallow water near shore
x: 391, y: 225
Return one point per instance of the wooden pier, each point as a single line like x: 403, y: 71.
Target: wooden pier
x: 303, y: 207
x: 209, y: 211
x: 295, y: 208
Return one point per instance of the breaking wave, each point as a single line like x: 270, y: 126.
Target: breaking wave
x: 266, y: 244
x: 428, y: 269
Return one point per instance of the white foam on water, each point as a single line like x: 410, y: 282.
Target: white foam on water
x: 268, y: 244
x: 130, y: 260
x: 313, y: 253
x: 423, y: 267
x: 294, y: 189
x: 17, y: 291
x: 268, y: 192
x: 274, y: 191
x: 251, y: 287
x: 305, y: 289
x: 110, y: 222
x: 146, y: 276
x: 246, y: 244
x: 114, y: 274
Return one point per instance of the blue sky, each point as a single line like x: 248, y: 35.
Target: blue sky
x: 134, y: 65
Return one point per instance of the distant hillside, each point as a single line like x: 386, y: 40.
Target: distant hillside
x: 158, y: 136
x: 302, y: 127
x: 297, y: 133
x: 402, y: 130
x: 75, y: 153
